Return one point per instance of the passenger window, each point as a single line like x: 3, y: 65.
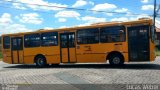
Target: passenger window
x: 32, y: 40
x: 49, y: 39
x: 112, y: 34
x: 64, y: 41
x: 88, y: 36
x: 6, y: 42
x: 14, y: 44
x: 17, y: 43
x: 71, y: 40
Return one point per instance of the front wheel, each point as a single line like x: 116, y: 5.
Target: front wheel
x: 116, y: 60
x: 40, y: 61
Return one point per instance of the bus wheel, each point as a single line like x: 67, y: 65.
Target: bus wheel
x: 40, y: 61
x: 116, y: 59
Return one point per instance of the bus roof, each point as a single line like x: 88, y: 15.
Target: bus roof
x: 139, y: 22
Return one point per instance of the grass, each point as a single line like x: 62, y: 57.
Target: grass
x: 0, y: 55
x: 157, y: 52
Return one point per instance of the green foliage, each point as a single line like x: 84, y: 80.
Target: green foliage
x: 157, y: 52
x: 0, y: 55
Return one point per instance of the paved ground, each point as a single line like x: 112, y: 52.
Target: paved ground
x: 132, y: 73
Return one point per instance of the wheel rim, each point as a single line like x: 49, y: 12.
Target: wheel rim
x: 40, y: 61
x: 116, y: 60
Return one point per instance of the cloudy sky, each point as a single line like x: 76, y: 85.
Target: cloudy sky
x: 30, y: 15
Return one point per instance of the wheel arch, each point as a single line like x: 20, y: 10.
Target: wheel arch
x: 110, y: 54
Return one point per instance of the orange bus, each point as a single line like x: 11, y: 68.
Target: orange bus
x: 117, y: 42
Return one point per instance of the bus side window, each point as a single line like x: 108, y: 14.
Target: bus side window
x: 32, y: 40
x: 6, y: 42
x: 49, y: 39
x: 112, y: 34
x: 88, y: 36
x: 71, y: 40
x: 64, y: 42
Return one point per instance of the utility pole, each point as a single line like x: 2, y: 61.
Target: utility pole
x: 154, y: 17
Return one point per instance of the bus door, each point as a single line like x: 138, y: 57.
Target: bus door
x: 138, y: 43
x: 67, y: 46
x: 17, y: 50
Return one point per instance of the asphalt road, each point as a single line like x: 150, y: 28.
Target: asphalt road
x: 80, y: 76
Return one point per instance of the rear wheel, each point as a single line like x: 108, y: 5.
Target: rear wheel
x: 116, y: 59
x: 40, y: 61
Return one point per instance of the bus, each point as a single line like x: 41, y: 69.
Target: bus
x: 113, y: 42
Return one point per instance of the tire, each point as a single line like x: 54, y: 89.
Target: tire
x: 40, y: 61
x: 116, y: 59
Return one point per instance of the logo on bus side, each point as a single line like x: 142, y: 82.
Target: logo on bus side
x: 87, y: 48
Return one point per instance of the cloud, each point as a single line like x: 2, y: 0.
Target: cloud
x: 39, y: 5
x: 109, y: 14
x: 130, y: 18
x: 88, y: 20
x: 68, y: 14
x: 84, y: 24
x: 31, y: 18
x: 62, y: 20
x: 7, y: 26
x: 120, y: 19
x: 144, y: 1
x: 129, y: 14
x: 143, y: 16
x: 91, y: 19
x: 14, y: 28
x: 19, y: 6
x: 147, y: 7
x: 63, y: 26
x: 105, y: 6
x: 121, y: 10
x: 79, y: 3
x: 5, y: 19
x: 91, y: 3
x: 49, y: 28
x: 139, y: 16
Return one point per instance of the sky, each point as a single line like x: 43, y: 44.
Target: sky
x: 31, y: 15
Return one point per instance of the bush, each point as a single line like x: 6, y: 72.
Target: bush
x: 0, y: 55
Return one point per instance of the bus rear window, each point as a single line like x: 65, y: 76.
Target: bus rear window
x: 6, y: 42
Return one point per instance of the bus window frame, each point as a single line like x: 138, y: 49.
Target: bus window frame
x: 18, y: 46
x: 9, y: 42
x: 32, y: 46
x: 85, y: 29
x: 124, y: 29
x: 41, y: 37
